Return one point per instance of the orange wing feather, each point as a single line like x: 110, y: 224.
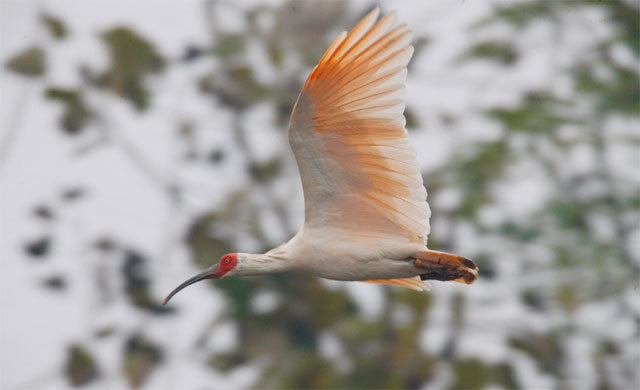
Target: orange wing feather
x: 359, y: 173
x: 413, y: 283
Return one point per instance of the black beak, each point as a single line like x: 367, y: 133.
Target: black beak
x: 209, y: 273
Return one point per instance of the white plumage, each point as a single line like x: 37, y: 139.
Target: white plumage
x: 366, y: 213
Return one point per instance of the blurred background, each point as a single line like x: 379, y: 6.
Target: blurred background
x: 140, y: 141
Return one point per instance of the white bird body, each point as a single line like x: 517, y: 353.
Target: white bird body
x: 366, y: 214
x: 318, y: 252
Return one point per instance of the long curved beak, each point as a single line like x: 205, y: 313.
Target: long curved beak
x: 209, y: 273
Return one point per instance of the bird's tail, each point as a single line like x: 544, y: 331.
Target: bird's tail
x: 445, y: 266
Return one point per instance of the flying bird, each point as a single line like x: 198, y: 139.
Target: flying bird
x: 366, y: 213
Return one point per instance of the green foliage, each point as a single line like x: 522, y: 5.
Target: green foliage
x: 77, y: 114
x: 620, y: 94
x: 28, y: 63
x: 487, y: 266
x: 205, y: 248
x: 275, y: 55
x: 520, y: 232
x: 566, y: 297
x: 229, y: 45
x: 240, y: 292
x: 235, y: 87
x: 474, y: 174
x: 534, y: 299
x: 55, y: 26
x: 419, y: 304
x: 411, y: 119
x: 521, y: 14
x: 570, y: 215
x: 141, y: 358
x: 328, y: 306
x: 501, y: 52
x: 304, y: 370
x: 266, y: 172
x: 132, y: 58
x: 625, y: 17
x: 540, y: 113
x: 475, y: 374
x: 545, y: 349
x: 384, y: 352
x: 80, y: 367
x: 225, y: 362
x: 137, y: 283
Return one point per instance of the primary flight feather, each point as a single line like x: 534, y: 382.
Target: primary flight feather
x: 366, y: 211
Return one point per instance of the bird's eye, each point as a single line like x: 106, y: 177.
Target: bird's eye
x: 226, y: 261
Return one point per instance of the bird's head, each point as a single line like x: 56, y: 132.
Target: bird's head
x: 225, y: 267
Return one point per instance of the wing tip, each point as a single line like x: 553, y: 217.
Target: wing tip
x: 374, y: 13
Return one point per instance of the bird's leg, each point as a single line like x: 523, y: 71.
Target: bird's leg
x: 445, y: 266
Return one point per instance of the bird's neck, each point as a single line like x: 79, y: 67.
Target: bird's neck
x: 268, y: 263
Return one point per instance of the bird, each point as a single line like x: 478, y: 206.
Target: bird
x: 365, y: 205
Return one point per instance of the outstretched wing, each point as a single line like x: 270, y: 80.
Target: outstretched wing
x: 359, y: 174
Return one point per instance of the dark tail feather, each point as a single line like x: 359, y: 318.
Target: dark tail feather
x: 445, y: 266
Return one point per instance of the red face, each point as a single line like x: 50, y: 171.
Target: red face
x: 227, y: 263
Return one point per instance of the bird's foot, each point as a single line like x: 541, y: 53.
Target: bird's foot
x: 445, y: 266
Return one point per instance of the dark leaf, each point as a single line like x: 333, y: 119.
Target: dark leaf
x: 141, y: 357
x: 229, y: 45
x: 104, y: 332
x: 501, y: 52
x: 487, y: 268
x: 80, y: 367
x: 519, y: 232
x: 309, y: 370
x: 471, y: 374
x: 192, y: 53
x: 235, y: 87
x: 625, y: 19
x: 72, y: 194
x: 474, y: 173
x: 239, y: 291
x: 56, y: 282
x: 328, y: 305
x: 186, y: 130
x: 39, y: 247
x: 476, y: 374
x: 540, y: 113
x: 619, y: 95
x: 76, y: 115
x: 567, y: 297
x: 132, y: 58
x: 216, y: 156
x: 205, y: 248
x: 275, y: 55
x: 187, y: 133
x: 419, y: 46
x: 448, y: 119
x: 28, y: 63
x: 224, y: 362
x: 265, y: 172
x: 570, y: 215
x: 104, y: 244
x: 43, y: 212
x: 137, y: 283
x: 521, y: 14
x: 56, y: 27
x: 545, y: 349
x: 412, y: 120
x: 533, y: 298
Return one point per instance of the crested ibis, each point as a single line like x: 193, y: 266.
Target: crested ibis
x: 366, y: 213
